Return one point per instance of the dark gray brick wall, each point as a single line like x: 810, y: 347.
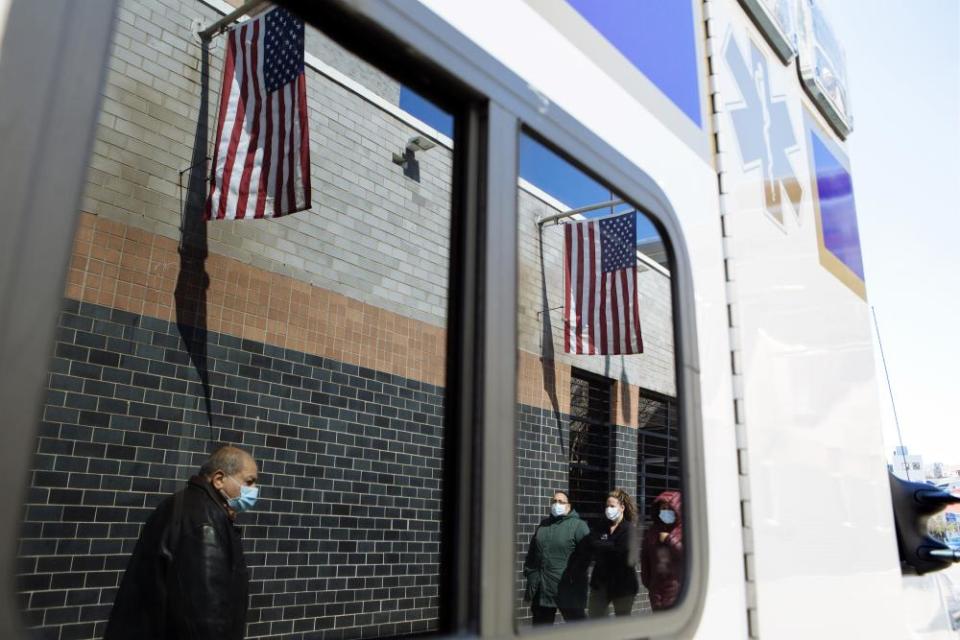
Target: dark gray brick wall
x: 542, y: 468
x: 345, y: 540
x: 624, y: 459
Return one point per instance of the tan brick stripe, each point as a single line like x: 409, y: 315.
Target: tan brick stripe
x: 122, y: 267
x: 532, y: 391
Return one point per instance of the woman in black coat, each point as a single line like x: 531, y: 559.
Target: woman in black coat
x: 614, y: 548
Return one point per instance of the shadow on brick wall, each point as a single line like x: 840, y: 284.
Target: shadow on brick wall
x: 546, y: 347
x: 190, y: 294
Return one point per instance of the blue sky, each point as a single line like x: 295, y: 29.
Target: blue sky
x: 903, y: 66
x: 538, y: 165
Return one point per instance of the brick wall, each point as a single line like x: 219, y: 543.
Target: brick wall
x: 346, y: 536
x: 343, y: 450
x: 373, y: 233
x: 543, y: 467
x: 122, y: 267
x: 339, y: 444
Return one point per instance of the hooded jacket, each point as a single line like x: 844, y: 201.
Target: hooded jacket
x: 187, y: 578
x: 662, y: 563
x: 554, y: 578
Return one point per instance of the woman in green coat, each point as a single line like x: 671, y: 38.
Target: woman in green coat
x: 555, y: 580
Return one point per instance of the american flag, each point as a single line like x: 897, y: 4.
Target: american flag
x: 261, y: 157
x: 602, y: 313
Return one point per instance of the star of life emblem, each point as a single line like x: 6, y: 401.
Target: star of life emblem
x: 764, y: 130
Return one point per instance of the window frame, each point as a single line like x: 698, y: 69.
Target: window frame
x: 53, y: 63
x: 493, y: 104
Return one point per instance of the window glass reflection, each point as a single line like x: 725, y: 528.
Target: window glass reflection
x: 599, y: 457
x: 314, y: 342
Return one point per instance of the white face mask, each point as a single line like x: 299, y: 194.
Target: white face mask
x: 558, y: 509
x: 668, y: 516
x: 612, y: 513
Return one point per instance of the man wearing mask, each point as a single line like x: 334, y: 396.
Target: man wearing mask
x: 187, y: 578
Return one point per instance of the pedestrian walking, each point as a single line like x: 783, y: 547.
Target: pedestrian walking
x: 555, y: 580
x: 662, y: 565
x: 187, y: 578
x: 613, y: 547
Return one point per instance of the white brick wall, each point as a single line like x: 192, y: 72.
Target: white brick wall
x: 373, y: 233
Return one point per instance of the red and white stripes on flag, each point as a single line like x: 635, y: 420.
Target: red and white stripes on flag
x: 601, y: 311
x: 261, y: 156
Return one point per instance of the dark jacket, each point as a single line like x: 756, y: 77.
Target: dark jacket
x: 552, y: 578
x: 187, y: 578
x: 615, y: 555
x: 662, y: 563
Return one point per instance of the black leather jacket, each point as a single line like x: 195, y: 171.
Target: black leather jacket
x: 187, y: 578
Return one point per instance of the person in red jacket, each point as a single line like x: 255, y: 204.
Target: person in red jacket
x: 661, y: 557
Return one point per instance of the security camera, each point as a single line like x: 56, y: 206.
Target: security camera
x: 420, y: 143
x: 414, y: 144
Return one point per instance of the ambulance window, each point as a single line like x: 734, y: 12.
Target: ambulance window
x: 294, y: 305
x: 599, y: 463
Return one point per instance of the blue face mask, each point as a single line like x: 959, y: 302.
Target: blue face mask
x: 668, y: 516
x: 247, y: 498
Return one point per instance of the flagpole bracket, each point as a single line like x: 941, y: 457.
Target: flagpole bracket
x: 557, y: 217
x: 224, y: 23
x: 196, y: 26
